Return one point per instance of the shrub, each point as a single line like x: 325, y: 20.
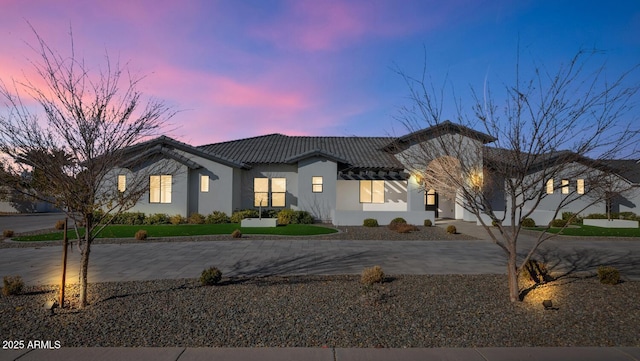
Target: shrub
x: 396, y: 222
x: 286, y: 216
x: 405, y: 228
x: 528, y: 222
x: 129, y: 218
x: 238, y: 216
x: 428, y: 223
x: 12, y: 285
x: 236, y: 234
x: 177, y: 219
x: 210, y: 276
x: 270, y: 213
x: 597, y: 216
x: 157, y: 218
x: 370, y: 222
x: 304, y: 217
x: 59, y: 225
x: 608, y: 275
x: 372, y: 275
x: 495, y: 223
x: 557, y: 223
x: 7, y: 233
x: 217, y: 217
x: 451, y: 229
x: 196, y: 218
x: 141, y: 235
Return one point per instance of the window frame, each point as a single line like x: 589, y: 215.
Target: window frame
x: 317, y: 184
x: 204, y: 183
x: 372, y: 191
x: 564, y: 186
x: 164, y: 188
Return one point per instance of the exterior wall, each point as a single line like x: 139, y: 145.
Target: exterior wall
x: 320, y: 204
x: 221, y: 186
x: 348, y: 197
x: 290, y: 172
x: 632, y: 201
x: 179, y: 190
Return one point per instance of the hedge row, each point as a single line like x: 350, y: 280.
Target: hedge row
x: 285, y: 216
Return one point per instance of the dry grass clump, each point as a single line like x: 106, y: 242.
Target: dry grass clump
x: 236, y: 234
x: 141, y: 235
x: 608, y: 275
x: 12, y: 285
x: 372, y: 275
x: 59, y: 225
x: 7, y: 233
x: 406, y: 228
x: 451, y: 229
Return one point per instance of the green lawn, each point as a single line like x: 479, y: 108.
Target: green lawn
x: 168, y: 230
x: 591, y: 231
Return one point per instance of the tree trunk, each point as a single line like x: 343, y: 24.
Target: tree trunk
x: 512, y: 275
x: 84, y: 262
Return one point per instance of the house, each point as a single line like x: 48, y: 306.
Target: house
x: 341, y: 180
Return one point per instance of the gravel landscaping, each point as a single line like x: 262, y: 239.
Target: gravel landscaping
x: 336, y: 311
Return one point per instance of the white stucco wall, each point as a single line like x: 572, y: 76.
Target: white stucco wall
x: 348, y: 197
x: 319, y: 204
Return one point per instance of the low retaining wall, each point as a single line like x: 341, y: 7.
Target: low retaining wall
x: 614, y: 223
x: 257, y: 222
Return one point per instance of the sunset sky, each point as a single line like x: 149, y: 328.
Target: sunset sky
x: 236, y: 69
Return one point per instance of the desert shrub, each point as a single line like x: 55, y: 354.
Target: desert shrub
x: 12, y: 285
x: 304, y: 217
x: 428, y: 223
x: 372, y: 275
x: 597, y: 216
x: 217, y: 217
x: 59, y: 225
x: 196, y: 218
x: 129, y: 218
x: 405, y: 228
x: 396, y: 222
x: 286, y: 216
x: 536, y: 272
x: 608, y: 275
x: 370, y: 222
x: 558, y: 223
x: 210, y: 276
x: 141, y: 235
x: 177, y: 219
x: 238, y: 216
x: 7, y: 233
x: 270, y: 213
x: 528, y: 222
x: 157, y: 218
x: 628, y: 216
x: 451, y: 229
x: 236, y: 234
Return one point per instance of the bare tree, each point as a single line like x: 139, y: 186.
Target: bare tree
x: 545, y: 144
x: 69, y: 143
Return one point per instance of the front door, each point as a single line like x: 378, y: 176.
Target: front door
x: 431, y: 201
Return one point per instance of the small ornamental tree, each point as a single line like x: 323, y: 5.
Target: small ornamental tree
x: 64, y: 146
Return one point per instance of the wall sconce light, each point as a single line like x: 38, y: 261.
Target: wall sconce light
x: 50, y: 306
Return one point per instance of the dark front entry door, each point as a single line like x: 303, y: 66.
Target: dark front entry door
x: 431, y: 202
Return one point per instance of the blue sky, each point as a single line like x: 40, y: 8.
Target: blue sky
x: 245, y: 68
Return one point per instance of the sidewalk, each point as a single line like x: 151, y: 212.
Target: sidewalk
x: 329, y: 354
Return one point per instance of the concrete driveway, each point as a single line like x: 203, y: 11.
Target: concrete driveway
x: 170, y: 260
x: 29, y: 222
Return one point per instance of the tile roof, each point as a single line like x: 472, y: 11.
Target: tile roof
x: 356, y: 152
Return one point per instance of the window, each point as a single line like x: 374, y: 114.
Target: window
x: 160, y: 188
x: 371, y: 191
x: 565, y: 186
x: 550, y: 186
x: 278, y: 192
x: 431, y: 197
x: 122, y: 182
x: 316, y: 184
x: 204, y: 183
x: 580, y: 186
x: 261, y: 192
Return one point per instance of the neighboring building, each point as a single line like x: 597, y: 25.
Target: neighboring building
x: 341, y: 180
